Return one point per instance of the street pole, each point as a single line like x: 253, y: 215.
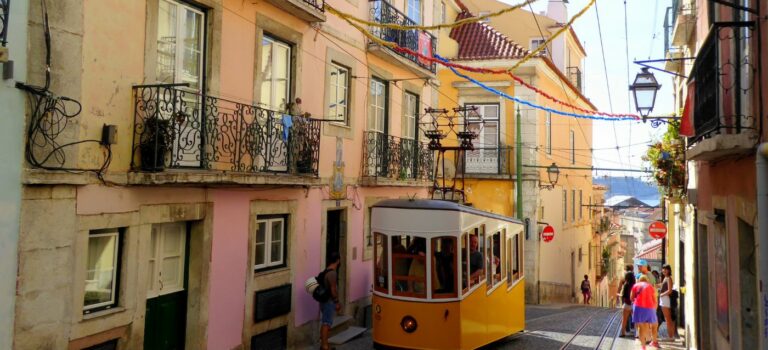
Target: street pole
x: 664, y: 239
x: 519, y: 162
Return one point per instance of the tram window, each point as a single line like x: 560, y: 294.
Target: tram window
x: 516, y: 273
x: 474, y: 257
x: 493, y: 263
x: 444, y: 267
x: 381, y: 257
x: 508, y: 261
x: 409, y: 266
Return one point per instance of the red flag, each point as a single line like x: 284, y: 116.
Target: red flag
x: 686, y: 123
x: 425, y: 47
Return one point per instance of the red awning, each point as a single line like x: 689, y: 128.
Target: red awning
x: 686, y: 123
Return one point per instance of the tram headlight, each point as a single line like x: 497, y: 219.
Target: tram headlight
x: 409, y: 324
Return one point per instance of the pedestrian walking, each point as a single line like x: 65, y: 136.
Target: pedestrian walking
x: 625, y: 293
x: 586, y: 290
x: 644, y: 311
x: 665, y: 301
x: 330, y: 307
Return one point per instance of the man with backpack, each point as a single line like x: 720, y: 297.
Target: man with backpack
x: 329, y: 300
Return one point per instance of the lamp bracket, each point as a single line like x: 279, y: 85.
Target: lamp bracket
x: 645, y: 64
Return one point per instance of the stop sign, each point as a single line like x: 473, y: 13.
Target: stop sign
x: 657, y: 230
x: 548, y: 234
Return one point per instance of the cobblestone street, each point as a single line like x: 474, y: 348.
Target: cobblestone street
x: 558, y: 327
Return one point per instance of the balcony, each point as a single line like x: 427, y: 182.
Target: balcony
x: 395, y: 161
x: 415, y: 40
x: 192, y: 133
x: 722, y: 129
x: 5, y: 6
x: 488, y: 162
x: 308, y: 10
x: 574, y: 75
x: 683, y: 21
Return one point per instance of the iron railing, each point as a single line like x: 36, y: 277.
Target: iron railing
x: 718, y: 88
x: 396, y: 158
x: 317, y: 4
x: 5, y: 8
x: 488, y: 160
x: 574, y: 75
x: 176, y: 128
x: 415, y: 40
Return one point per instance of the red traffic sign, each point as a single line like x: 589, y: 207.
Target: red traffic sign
x: 657, y: 230
x: 548, y: 234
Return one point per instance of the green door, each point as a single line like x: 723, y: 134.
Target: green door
x: 166, y: 315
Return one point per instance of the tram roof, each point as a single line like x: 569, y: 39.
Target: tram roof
x: 434, y: 204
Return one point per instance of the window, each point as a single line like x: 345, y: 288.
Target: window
x: 102, y: 270
x: 514, y: 269
x: 166, y: 259
x: 377, y: 114
x: 565, y: 205
x: 443, y: 14
x: 472, y: 258
x: 180, y: 44
x: 409, y: 266
x: 275, y: 73
x: 573, y: 147
x: 573, y: 205
x: 410, y: 116
x: 338, y: 90
x: 444, y: 277
x: 580, y: 254
x: 381, y: 257
x: 413, y: 10
x: 485, y: 123
x: 494, y: 267
x: 548, y: 133
x: 581, y: 207
x: 535, y: 43
x: 270, y: 244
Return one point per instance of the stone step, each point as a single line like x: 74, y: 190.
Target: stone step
x: 340, y: 321
x: 346, y: 335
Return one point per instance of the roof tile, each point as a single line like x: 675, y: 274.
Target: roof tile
x: 479, y: 41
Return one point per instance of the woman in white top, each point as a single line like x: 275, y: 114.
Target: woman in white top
x: 664, y: 300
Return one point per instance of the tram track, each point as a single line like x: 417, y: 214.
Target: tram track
x: 609, y: 324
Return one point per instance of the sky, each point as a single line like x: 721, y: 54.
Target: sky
x: 645, y: 23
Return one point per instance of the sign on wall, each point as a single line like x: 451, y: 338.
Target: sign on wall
x: 548, y: 234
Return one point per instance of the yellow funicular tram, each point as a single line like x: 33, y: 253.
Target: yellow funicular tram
x: 446, y: 276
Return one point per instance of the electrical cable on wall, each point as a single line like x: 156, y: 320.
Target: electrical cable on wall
x: 49, y: 118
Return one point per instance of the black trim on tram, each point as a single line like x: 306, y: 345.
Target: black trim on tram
x: 379, y: 346
x: 433, y: 204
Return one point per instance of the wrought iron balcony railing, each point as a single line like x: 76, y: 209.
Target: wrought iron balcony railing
x: 416, y: 40
x: 317, y: 4
x: 396, y: 158
x: 574, y: 75
x: 719, y: 84
x: 176, y: 128
x: 5, y: 8
x: 488, y: 160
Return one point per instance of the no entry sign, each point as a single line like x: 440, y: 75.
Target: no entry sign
x: 548, y: 234
x: 657, y: 230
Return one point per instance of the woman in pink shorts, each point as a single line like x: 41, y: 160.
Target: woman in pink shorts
x: 644, y: 310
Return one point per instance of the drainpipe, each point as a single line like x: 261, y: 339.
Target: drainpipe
x: 519, y: 170
x: 761, y: 166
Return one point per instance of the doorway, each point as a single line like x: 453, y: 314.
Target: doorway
x: 335, y: 241
x: 573, y: 277
x: 702, y: 273
x: 748, y: 286
x: 166, y: 314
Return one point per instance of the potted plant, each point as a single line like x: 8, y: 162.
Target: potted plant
x: 155, y: 141
x: 668, y: 162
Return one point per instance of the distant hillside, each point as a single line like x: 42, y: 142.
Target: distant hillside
x: 629, y: 186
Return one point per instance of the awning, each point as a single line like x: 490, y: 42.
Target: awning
x: 686, y: 123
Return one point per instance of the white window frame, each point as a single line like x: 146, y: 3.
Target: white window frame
x: 115, y: 267
x: 378, y: 113
x: 180, y: 36
x: 536, y: 42
x: 268, y: 263
x: 341, y: 90
x: 272, y: 104
x: 410, y: 116
x: 409, y: 10
x: 157, y: 256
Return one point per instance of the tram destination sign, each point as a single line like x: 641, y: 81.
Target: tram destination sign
x: 548, y: 234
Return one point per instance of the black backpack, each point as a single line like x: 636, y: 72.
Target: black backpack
x: 322, y: 293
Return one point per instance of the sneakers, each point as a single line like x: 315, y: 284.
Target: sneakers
x: 655, y: 344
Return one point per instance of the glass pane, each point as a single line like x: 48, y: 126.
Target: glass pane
x: 381, y: 256
x: 193, y: 38
x: 100, y: 269
x: 280, y: 100
x: 444, y: 269
x: 266, y: 72
x: 173, y: 240
x: 153, y: 244
x: 151, y: 273
x: 495, y: 260
x: 260, y: 254
x: 261, y: 228
x: 171, y: 272
x: 277, y: 230
x: 491, y: 112
x: 166, y: 42
x: 276, y: 253
x: 282, y: 60
x: 475, y: 257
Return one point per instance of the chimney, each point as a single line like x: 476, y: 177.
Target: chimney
x: 557, y: 11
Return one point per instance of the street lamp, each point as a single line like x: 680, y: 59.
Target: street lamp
x: 644, y: 89
x: 553, y: 174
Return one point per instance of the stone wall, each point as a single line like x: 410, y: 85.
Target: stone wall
x: 552, y: 293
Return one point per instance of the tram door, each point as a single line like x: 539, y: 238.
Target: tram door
x: 335, y: 241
